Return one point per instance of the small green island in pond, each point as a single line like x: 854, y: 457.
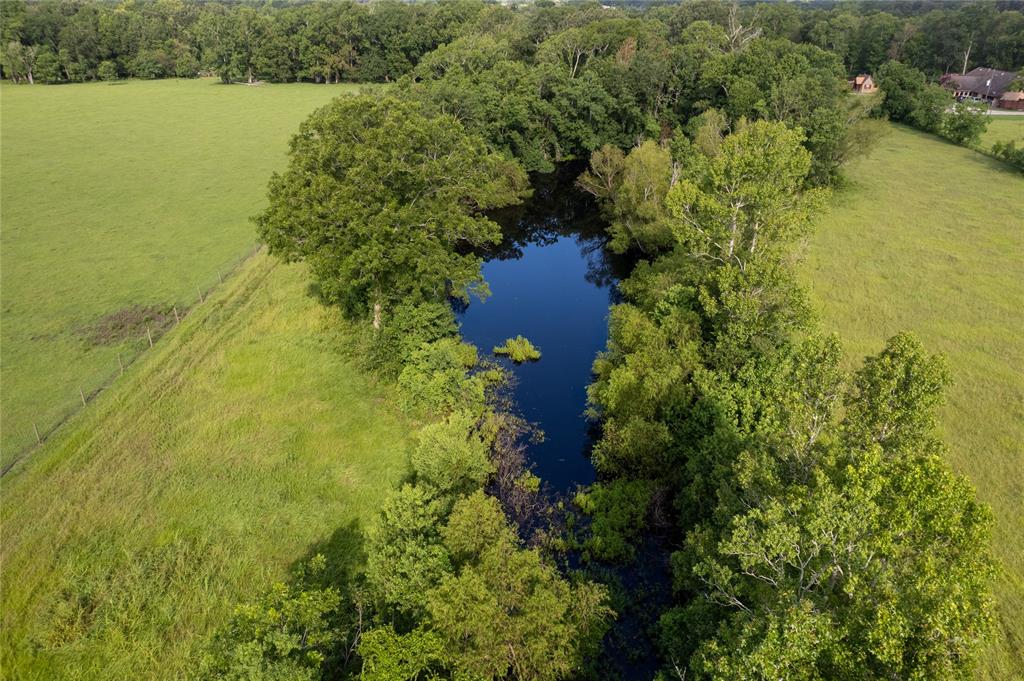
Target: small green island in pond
x: 519, y: 350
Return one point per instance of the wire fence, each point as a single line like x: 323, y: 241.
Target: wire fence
x: 33, y: 434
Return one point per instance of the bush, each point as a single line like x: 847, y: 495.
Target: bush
x: 107, y: 70
x: 617, y: 509
x: 437, y: 378
x: 519, y: 350
x: 47, y: 68
x: 1008, y: 151
x: 150, y: 64
x: 185, y: 64
x: 452, y: 457
x: 408, y: 328
x: 965, y: 123
x: 285, y: 635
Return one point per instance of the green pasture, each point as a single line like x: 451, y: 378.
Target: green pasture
x: 117, y: 197
x: 929, y: 237
x: 1003, y: 129
x: 243, y: 443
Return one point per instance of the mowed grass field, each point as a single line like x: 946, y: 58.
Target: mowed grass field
x: 1003, y: 129
x: 243, y: 443
x: 113, y: 196
x: 930, y: 237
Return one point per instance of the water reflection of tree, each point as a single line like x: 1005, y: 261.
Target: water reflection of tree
x: 558, y: 208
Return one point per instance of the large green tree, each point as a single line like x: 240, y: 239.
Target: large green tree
x: 839, y: 548
x: 386, y: 203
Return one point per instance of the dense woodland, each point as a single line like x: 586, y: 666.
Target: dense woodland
x: 804, y: 512
x: 71, y: 41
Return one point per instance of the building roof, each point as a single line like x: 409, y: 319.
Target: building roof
x: 859, y: 80
x: 1012, y: 96
x: 982, y: 81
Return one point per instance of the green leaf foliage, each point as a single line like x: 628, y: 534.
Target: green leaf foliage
x: 632, y: 189
x: 505, y: 612
x: 519, y: 350
x: 452, y: 456
x: 383, y: 201
x: 619, y: 511
x: 283, y: 636
x: 437, y: 377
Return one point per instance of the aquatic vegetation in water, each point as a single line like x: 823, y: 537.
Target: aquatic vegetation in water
x: 519, y: 350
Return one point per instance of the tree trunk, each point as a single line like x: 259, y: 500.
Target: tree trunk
x: 376, y: 316
x: 967, y: 55
x: 249, y: 74
x: 30, y: 81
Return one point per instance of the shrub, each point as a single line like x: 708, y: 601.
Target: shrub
x: 285, y: 635
x: 452, y: 456
x: 107, y: 70
x: 1008, y: 151
x: 965, y: 123
x: 406, y: 329
x: 437, y: 378
x: 47, y: 68
x: 617, y: 509
x: 519, y: 350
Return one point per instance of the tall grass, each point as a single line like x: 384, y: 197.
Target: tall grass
x: 243, y: 443
x: 930, y: 237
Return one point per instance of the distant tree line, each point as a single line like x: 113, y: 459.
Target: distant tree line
x: 55, y: 41
x: 71, y: 41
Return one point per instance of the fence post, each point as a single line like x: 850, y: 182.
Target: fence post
x: 120, y: 363
x: 177, y: 319
x: 149, y: 336
x: 221, y: 275
x: 82, y: 395
x: 200, y: 292
x: 36, y: 431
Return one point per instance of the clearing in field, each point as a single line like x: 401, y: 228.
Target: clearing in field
x: 242, y: 444
x: 929, y: 237
x: 119, y: 201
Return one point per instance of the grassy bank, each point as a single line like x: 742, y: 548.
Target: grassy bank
x: 242, y: 443
x: 117, y: 201
x: 930, y: 237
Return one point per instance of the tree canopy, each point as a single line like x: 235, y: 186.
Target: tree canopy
x: 385, y: 203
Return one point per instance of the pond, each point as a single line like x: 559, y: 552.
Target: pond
x: 552, y: 281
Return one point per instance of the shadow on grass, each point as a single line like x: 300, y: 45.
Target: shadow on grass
x: 345, y: 557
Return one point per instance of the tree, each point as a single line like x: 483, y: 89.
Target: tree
x: 737, y: 214
x: 901, y: 84
x: 868, y: 557
x: 930, y: 105
x: 405, y: 557
x: 385, y: 203
x: 19, y: 61
x: 476, y: 80
x: 283, y: 636
x: 505, y: 613
x: 632, y: 189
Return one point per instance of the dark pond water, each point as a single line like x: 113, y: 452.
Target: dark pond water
x: 552, y: 281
